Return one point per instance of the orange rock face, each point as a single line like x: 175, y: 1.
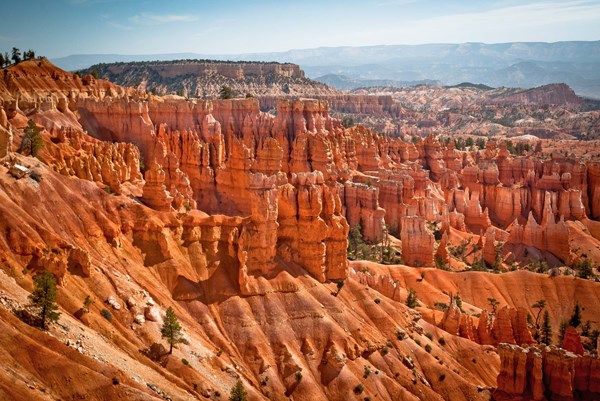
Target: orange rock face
x: 546, y: 373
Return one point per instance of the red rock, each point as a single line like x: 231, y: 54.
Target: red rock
x: 572, y: 341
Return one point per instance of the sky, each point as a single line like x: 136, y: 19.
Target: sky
x: 58, y: 28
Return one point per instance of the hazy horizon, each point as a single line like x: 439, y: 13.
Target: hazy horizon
x: 128, y: 27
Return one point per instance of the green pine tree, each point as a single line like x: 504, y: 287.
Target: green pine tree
x: 43, y: 298
x: 561, y: 332
x: 171, y: 329
x: 238, y: 393
x: 576, y: 317
x: 546, y: 336
x: 32, y: 140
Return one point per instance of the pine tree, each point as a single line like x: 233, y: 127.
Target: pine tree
x: 32, y: 140
x: 561, y: 332
x: 354, y: 240
x: 171, y: 329
x: 576, y: 317
x: 539, y: 305
x: 546, y: 336
x: 43, y: 298
x: 226, y: 92
x: 493, y: 304
x: 16, y: 55
x: 2, y: 62
x: 238, y: 393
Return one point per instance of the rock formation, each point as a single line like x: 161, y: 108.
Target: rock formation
x: 546, y: 373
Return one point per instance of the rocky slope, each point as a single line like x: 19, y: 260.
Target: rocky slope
x: 239, y: 220
x: 550, y: 111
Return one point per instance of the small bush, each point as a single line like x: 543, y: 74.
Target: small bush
x: 185, y: 361
x: 385, y: 350
x: 366, y: 372
x: 377, y: 300
x: 400, y: 335
x: 359, y: 389
x: 442, y: 377
x: 298, y: 376
x: 106, y: 314
x: 442, y: 341
x: 428, y: 348
x: 115, y: 380
x: 418, y: 342
x: 429, y: 335
x: 219, y: 352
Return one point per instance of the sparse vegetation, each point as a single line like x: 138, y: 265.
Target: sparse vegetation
x: 226, y: 92
x: 238, y: 393
x: 493, y: 304
x: 32, y: 141
x: 105, y: 313
x: 43, y: 298
x: 87, y: 302
x: 359, y: 389
x: 171, y: 329
x: 411, y: 300
x: 561, y: 332
x: 575, y: 320
x: 546, y: 331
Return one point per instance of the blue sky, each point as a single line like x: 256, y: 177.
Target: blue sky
x: 62, y: 27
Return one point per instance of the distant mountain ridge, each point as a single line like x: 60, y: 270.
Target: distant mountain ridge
x: 515, y: 64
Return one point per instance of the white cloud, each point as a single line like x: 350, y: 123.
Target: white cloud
x: 540, y: 21
x: 156, y: 19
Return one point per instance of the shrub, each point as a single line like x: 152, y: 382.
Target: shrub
x: 359, y: 389
x: 442, y: 377
x: 366, y: 372
x: 428, y: 348
x: 429, y: 335
x: 115, y: 380
x: 106, y: 314
x: 385, y: 350
x: 411, y: 300
x: 185, y: 361
x: 377, y: 300
x: 298, y: 376
x: 442, y: 341
x: 418, y: 342
x: 400, y: 334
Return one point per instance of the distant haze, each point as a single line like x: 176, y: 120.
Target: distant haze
x: 518, y: 64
